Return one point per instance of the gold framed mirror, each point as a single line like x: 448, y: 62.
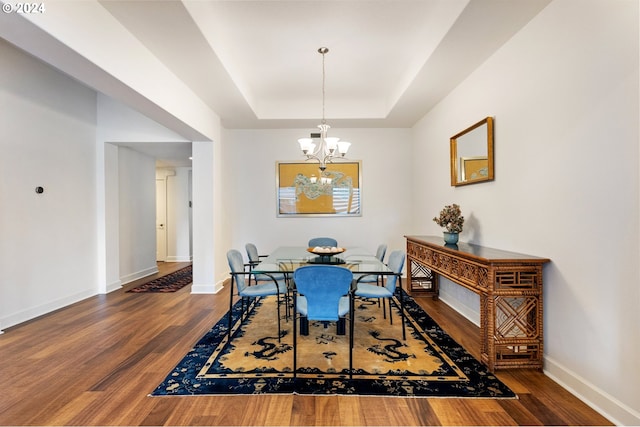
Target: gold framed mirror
x: 472, y: 154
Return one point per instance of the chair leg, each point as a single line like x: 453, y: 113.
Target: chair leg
x: 230, y: 309
x: 278, y: 305
x: 295, y: 336
x: 243, y: 312
x: 289, y: 282
x: 285, y: 299
x: 287, y: 310
x: 404, y: 333
x: 351, y: 329
x: 304, y: 325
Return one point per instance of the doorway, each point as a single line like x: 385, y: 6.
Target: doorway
x: 173, y: 215
x: 161, y: 220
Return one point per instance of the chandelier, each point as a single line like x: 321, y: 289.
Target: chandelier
x: 329, y: 147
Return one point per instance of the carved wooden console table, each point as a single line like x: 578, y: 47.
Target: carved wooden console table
x: 510, y: 289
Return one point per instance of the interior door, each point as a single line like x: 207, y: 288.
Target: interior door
x: 161, y: 220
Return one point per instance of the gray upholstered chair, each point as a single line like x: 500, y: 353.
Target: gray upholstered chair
x: 323, y: 241
x: 370, y: 278
x: 386, y: 292
x: 254, y: 259
x: 324, y: 294
x: 380, y: 254
x: 239, y: 278
x: 252, y: 254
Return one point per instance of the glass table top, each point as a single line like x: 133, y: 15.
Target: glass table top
x: 286, y: 259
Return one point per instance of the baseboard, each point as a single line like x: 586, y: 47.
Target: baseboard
x: 179, y: 259
x: 41, y: 310
x: 114, y: 286
x: 601, y: 402
x: 467, y: 312
x: 207, y: 288
x: 138, y: 275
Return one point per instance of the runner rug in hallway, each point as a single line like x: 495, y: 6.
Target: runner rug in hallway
x: 172, y: 282
x: 428, y: 364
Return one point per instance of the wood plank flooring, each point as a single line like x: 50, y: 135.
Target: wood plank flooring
x: 95, y: 362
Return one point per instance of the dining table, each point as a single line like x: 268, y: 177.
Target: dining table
x: 286, y: 259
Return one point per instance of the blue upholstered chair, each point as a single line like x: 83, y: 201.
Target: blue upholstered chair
x: 322, y: 241
x: 368, y: 290
x: 324, y: 294
x: 239, y: 278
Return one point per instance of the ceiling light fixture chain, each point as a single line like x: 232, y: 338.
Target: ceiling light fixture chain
x: 328, y: 146
x: 323, y: 51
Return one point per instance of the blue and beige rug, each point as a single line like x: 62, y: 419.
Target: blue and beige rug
x: 428, y: 364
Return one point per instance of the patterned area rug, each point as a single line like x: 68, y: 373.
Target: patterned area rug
x: 170, y: 283
x: 429, y: 363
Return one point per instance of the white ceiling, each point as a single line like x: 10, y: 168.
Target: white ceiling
x: 255, y: 62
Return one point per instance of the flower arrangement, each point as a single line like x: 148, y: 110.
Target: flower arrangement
x: 450, y: 218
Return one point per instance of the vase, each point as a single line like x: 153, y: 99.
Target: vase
x: 450, y: 238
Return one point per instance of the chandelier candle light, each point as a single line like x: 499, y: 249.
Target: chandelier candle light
x: 329, y: 147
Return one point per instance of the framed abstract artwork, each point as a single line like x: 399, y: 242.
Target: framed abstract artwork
x: 474, y: 168
x: 302, y: 189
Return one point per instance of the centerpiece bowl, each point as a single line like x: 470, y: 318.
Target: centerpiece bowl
x: 326, y: 255
x: 325, y: 250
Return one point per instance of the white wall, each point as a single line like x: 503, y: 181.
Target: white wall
x: 47, y: 138
x: 121, y: 124
x: 111, y: 217
x: 209, y: 238
x: 137, y: 217
x: 251, y: 198
x: 564, y: 94
x: 118, y: 123
x: 64, y: 245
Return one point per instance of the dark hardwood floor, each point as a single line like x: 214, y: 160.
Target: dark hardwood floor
x: 95, y: 362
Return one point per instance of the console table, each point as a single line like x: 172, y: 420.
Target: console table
x: 510, y: 288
